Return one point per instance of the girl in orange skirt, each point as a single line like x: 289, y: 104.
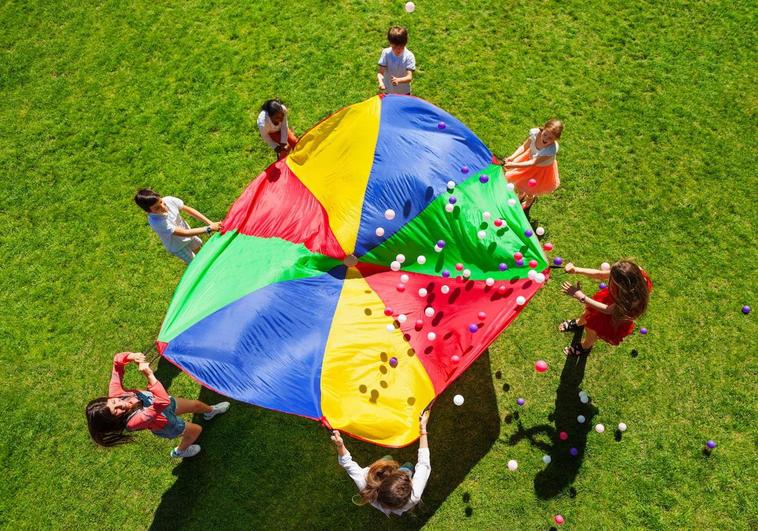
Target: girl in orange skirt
x: 274, y: 129
x: 610, y: 313
x: 532, y: 167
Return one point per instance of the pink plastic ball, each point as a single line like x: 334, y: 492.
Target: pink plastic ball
x: 548, y: 246
x: 388, y: 311
x: 459, y: 267
x: 532, y: 182
x: 563, y: 436
x: 502, y: 289
x: 499, y: 222
x: 532, y: 263
x: 419, y: 324
x: 482, y: 316
x: 558, y: 519
x: 401, y: 287
x: 455, y: 358
x: 540, y: 366
x: 518, y: 256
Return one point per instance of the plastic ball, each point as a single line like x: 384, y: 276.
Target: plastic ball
x: 388, y: 311
x: 532, y: 182
x: 518, y: 256
x: 580, y: 419
x: 622, y: 427
x: 584, y: 399
x: 528, y: 233
x: 401, y: 287
x: 499, y: 222
x: 401, y: 318
x: 393, y: 362
x: 441, y: 125
x: 512, y: 465
x: 441, y: 244
x: 431, y: 336
x: 429, y: 311
x: 466, y: 273
x: 390, y: 328
x: 746, y: 310
x: 445, y: 289
x: 464, y: 169
x: 573, y: 451
x: 599, y: 428
x: 510, y: 186
x: 502, y: 266
x: 520, y: 262
x: 379, y: 231
x: 546, y: 459
x: 532, y: 263
x: 605, y: 266
x: 410, y: 7
x: 483, y: 179
x: 400, y: 258
x: 711, y: 444
x: 422, y: 292
x: 459, y: 267
x: 481, y: 234
x: 482, y: 316
x: 449, y: 208
x: 455, y: 358
x: 450, y: 185
x: 558, y: 519
x: 473, y: 328
x: 490, y: 281
x: 520, y: 401
x: 395, y: 265
x: 404, y: 278
x: 557, y: 260
x: 548, y: 246
x: 520, y: 300
x: 421, y: 259
x: 452, y: 200
x: 531, y: 275
x: 540, y: 231
x: 603, y: 285
x: 419, y: 324
x: 458, y: 400
x: 563, y: 436
x: 643, y: 331
x: 540, y: 366
x: 445, y: 274
x: 539, y: 278
x: 512, y: 202
x: 389, y: 214
x: 486, y: 216
x: 501, y: 289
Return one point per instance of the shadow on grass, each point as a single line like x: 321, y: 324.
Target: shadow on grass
x: 265, y: 470
x: 564, y: 467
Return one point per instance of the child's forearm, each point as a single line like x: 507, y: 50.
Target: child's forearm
x: 193, y: 232
x: 597, y: 274
x: 380, y: 78
x: 196, y: 214
x: 341, y: 450
x: 592, y: 303
x: 423, y: 441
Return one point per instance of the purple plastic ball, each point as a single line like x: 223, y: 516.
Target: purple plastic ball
x: 557, y: 260
x: 528, y: 233
x: 464, y: 169
x: 711, y: 444
x: 472, y: 328
x: 441, y: 125
x: 574, y: 452
x: 446, y: 273
x: 441, y: 243
x: 643, y: 331
x: 746, y: 310
x: 393, y: 362
x: 520, y: 401
x: 503, y: 267
x: 452, y: 200
x: 603, y: 285
x: 520, y: 262
x: 483, y: 179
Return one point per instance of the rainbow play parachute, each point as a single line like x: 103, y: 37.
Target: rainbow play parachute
x: 296, y: 306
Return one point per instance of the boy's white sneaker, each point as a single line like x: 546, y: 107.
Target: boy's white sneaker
x: 191, y: 451
x: 218, y: 409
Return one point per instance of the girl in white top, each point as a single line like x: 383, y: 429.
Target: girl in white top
x: 385, y: 484
x: 274, y: 128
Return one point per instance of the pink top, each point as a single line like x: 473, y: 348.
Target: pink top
x: 146, y: 418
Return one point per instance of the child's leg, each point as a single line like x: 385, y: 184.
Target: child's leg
x: 588, y: 339
x: 528, y: 201
x: 291, y: 138
x: 191, y: 433
x: 183, y: 405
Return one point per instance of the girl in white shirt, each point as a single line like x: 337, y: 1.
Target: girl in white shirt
x: 389, y: 487
x: 274, y: 129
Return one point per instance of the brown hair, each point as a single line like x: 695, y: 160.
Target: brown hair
x: 555, y: 126
x: 387, y: 484
x: 397, y: 35
x: 629, y: 289
x: 105, y: 428
x: 146, y: 198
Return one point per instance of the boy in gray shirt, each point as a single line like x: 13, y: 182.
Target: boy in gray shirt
x: 396, y: 64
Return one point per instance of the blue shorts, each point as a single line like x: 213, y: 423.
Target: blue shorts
x: 175, y: 426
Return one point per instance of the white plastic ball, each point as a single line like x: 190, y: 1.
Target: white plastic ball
x: 512, y: 202
x: 431, y: 336
x: 539, y: 278
x: 532, y: 274
x: 512, y: 465
x: 404, y: 278
x: 422, y: 292
x: 379, y: 231
x: 445, y: 289
x: 389, y: 214
x: 466, y: 273
x: 429, y: 311
x: 481, y: 234
x: 520, y: 300
x: 546, y: 459
x: 421, y: 259
x: 437, y: 248
x: 580, y: 419
x: 450, y: 185
x: 449, y: 208
x: 486, y: 216
x: 490, y: 281
x: 584, y: 399
x: 599, y: 428
x: 540, y: 231
x: 402, y: 318
x: 622, y: 427
x: 400, y: 258
x: 410, y: 7
x: 395, y: 265
x: 390, y: 328
x: 605, y: 266
x: 458, y: 400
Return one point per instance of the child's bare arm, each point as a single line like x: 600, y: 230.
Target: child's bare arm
x: 337, y: 440
x: 423, y: 441
x: 575, y: 291
x: 380, y: 78
x: 597, y: 274
x: 407, y: 78
x: 184, y: 233
x: 196, y: 214
x: 519, y: 151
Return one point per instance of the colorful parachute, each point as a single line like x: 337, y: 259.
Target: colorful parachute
x: 295, y: 307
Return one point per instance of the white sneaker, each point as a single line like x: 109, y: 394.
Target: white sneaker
x: 191, y: 451
x: 218, y: 409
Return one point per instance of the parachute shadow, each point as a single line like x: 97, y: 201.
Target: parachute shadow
x: 261, y: 469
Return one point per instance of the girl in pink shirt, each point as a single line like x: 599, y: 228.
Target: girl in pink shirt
x: 128, y: 410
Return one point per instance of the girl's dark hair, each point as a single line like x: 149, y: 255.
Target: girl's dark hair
x: 272, y: 107
x: 397, y: 35
x: 105, y: 428
x: 387, y: 484
x: 146, y: 198
x: 629, y: 289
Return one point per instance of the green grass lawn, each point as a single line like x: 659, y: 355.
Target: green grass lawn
x: 657, y: 163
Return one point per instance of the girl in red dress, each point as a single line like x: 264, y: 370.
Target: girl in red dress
x: 610, y: 313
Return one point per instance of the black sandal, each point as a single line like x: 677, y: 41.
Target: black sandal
x: 569, y: 325
x: 576, y: 350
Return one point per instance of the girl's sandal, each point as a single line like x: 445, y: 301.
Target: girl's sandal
x: 569, y: 325
x: 576, y: 350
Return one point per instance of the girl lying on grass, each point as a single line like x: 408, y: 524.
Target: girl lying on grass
x: 111, y: 418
